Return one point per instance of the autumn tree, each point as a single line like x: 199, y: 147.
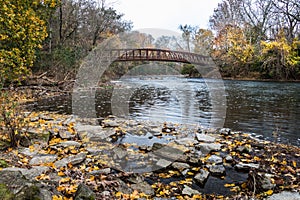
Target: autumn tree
x: 247, y: 37
x: 22, y: 31
x: 281, y: 60
x: 75, y: 28
x: 232, y: 51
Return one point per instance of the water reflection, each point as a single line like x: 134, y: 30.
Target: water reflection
x: 270, y: 109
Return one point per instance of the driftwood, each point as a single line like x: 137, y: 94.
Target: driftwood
x: 41, y: 85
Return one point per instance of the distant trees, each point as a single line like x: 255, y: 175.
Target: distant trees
x: 257, y: 38
x: 74, y: 29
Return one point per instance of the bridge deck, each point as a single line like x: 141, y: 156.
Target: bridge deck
x: 151, y: 54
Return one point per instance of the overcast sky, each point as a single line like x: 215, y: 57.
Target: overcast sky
x: 166, y: 14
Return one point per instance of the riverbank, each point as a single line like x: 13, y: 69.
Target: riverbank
x: 113, y: 158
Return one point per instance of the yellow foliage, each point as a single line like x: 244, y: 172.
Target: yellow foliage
x: 22, y: 31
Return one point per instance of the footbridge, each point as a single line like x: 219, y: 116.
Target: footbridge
x: 153, y: 54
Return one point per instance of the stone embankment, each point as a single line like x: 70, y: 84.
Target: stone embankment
x: 66, y: 157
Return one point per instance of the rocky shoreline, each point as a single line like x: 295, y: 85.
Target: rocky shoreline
x: 64, y: 157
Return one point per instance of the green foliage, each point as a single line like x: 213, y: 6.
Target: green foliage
x: 190, y: 70
x: 22, y: 31
x: 5, y: 193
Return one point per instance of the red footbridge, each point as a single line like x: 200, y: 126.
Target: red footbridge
x: 153, y: 54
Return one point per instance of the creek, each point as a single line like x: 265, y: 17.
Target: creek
x: 268, y: 110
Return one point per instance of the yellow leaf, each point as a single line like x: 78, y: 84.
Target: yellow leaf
x: 284, y: 162
x: 60, y: 173
x: 229, y: 185
x: 269, y: 192
x: 294, y: 163
x: 190, y: 173
x: 64, y: 180
x: 244, y: 185
x: 55, y: 197
x: 118, y: 194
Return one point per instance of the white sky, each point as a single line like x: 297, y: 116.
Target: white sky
x: 166, y: 14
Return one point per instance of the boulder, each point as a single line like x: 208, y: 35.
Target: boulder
x: 206, y: 148
x: 76, y: 159
x: 189, y: 191
x: 246, y: 166
x: 67, y: 144
x: 180, y: 166
x: 216, y: 169
x: 44, y: 158
x: 202, y: 176
x: 84, y: 193
x: 205, y: 138
x: 163, y: 163
x: 143, y: 187
x: 214, y: 159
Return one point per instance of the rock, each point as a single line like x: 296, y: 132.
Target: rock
x: 180, y: 166
x: 167, y: 152
x: 285, y: 195
x: 80, y: 129
x: 105, y: 193
x: 228, y: 158
x: 66, y: 135
x: 145, y: 148
x: 35, y: 135
x: 109, y: 123
x: 13, y: 183
x: 186, y: 141
x: 184, y: 172
x: 189, y: 191
x: 143, y: 187
x: 29, y: 173
x: 214, y: 159
x: 209, y: 130
x: 136, y: 178
x: 76, y: 159
x: 123, y: 187
x: 28, y: 151
x: 163, y: 163
x: 46, y: 117
x: 244, y: 149
x: 205, y: 138
x: 31, y: 191
x: 68, y: 144
x: 119, y: 153
x: 14, y: 180
x: 225, y: 131
x: 34, y: 119
x: 40, y: 159
x: 206, y: 148
x: 216, y: 169
x: 157, y: 134
x: 100, y: 171
x: 93, y: 133
x: 246, y: 166
x: 202, y: 176
x: 84, y: 193
x: 157, y: 146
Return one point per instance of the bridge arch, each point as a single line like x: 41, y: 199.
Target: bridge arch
x: 155, y: 54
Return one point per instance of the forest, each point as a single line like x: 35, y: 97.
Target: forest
x: 247, y: 39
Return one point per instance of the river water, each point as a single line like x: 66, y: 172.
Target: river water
x: 270, y: 110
